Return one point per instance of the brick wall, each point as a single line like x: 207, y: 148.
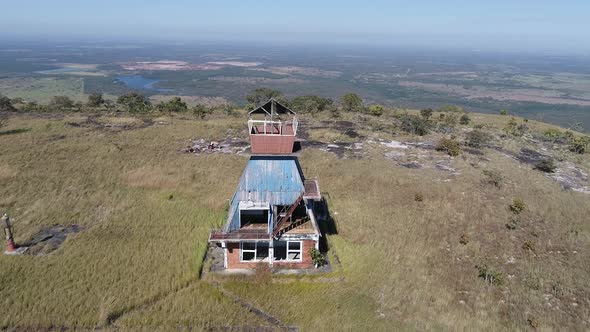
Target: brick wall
x: 233, y: 258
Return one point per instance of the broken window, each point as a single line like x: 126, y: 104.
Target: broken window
x: 294, y: 251
x: 253, y: 251
x: 287, y: 250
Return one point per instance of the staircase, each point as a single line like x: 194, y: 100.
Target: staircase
x: 278, y: 229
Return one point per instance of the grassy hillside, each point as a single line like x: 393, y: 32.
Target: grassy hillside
x: 408, y: 240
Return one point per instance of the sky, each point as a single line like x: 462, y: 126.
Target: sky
x: 500, y: 24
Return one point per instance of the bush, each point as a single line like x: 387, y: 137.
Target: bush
x: 449, y: 120
x: 174, y: 105
x: 579, y: 144
x: 351, y: 102
x: 464, y: 239
x: 545, y: 165
x: 515, y: 129
x: 414, y: 124
x: 311, y: 104
x: 317, y: 257
x: 450, y: 146
x: 426, y: 113
x: 528, y: 245
x: 552, y: 134
x: 418, y: 197
x: 513, y: 223
x: 6, y: 104
x: 95, y: 100
x: 201, y: 111
x: 493, y: 177
x: 477, y: 139
x: 489, y: 275
x: 375, y: 110
x: 134, y: 103
x: 517, y: 205
x: 464, y: 119
x: 503, y: 112
x: 61, y: 103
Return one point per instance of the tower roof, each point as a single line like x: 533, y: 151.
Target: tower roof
x: 271, y: 107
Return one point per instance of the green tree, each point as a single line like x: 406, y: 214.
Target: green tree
x: 201, y: 111
x: 261, y: 95
x: 464, y: 119
x: 95, y: 100
x: 174, y: 105
x: 6, y: 104
x: 61, y: 103
x: 311, y: 104
x: 375, y: 110
x: 503, y: 112
x: 351, y: 102
x: 426, y: 113
x: 134, y: 103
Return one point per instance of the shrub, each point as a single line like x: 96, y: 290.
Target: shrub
x: 61, y: 103
x: 317, y: 257
x: 489, y: 275
x: 528, y: 245
x: 6, y: 104
x: 503, y: 112
x: 477, y: 139
x: 479, y: 126
x: 351, y: 102
x: 517, y: 205
x: 464, y: 119
x: 450, y: 120
x: 174, y: 105
x: 95, y: 100
x: 513, y: 223
x: 418, y: 197
x: 134, y: 103
x: 464, y: 239
x: 579, y: 144
x: 375, y: 110
x: 552, y: 134
x: 545, y: 165
x: 493, y: 177
x: 201, y: 111
x: 450, y: 146
x: 515, y: 129
x: 414, y: 124
x: 426, y: 113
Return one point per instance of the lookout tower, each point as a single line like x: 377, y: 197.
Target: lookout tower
x: 272, y: 128
x: 271, y: 217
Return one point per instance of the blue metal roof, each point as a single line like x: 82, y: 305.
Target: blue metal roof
x: 277, y: 180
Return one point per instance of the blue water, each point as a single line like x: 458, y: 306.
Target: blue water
x: 139, y: 82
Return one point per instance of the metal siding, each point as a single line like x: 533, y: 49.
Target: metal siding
x: 273, y: 180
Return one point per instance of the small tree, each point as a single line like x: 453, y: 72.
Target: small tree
x: 95, y: 100
x: 545, y: 165
x: 503, y: 112
x: 61, y: 103
x: 351, y: 102
x: 426, y: 113
x: 450, y: 146
x: 465, y: 119
x: 174, y: 105
x: 414, y: 124
x: 260, y: 95
x: 6, y: 104
x: 375, y: 110
x: 579, y: 144
x: 201, y: 111
x: 477, y: 139
x: 134, y: 103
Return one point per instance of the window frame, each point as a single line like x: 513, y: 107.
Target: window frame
x: 255, y: 251
x: 287, y: 251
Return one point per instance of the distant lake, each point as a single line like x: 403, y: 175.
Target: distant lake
x: 139, y: 82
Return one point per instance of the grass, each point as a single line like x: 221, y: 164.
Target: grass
x: 146, y: 211
x: 43, y: 89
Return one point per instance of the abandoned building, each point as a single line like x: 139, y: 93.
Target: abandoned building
x: 271, y: 219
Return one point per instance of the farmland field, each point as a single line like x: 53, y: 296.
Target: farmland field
x: 144, y: 210
x: 544, y: 87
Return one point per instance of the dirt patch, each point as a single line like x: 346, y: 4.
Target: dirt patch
x: 49, y: 239
x: 227, y: 146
